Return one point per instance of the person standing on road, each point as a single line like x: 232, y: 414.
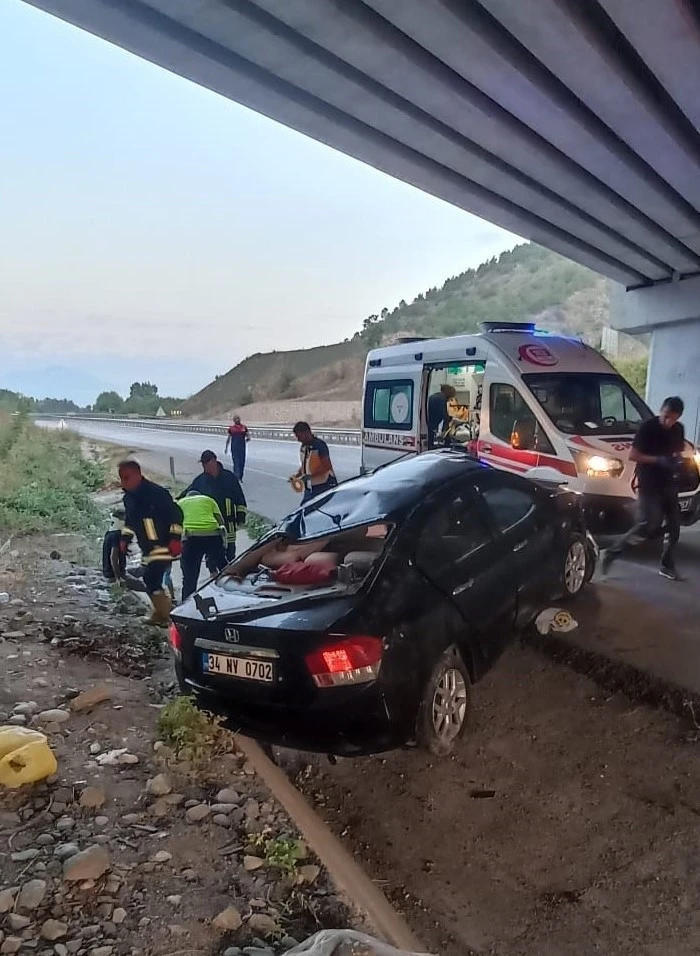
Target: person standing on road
x: 237, y: 439
x: 155, y: 520
x: 204, y: 536
x: 657, y: 449
x: 316, y: 470
x: 224, y: 487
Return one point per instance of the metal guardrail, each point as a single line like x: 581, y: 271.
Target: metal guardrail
x: 335, y: 436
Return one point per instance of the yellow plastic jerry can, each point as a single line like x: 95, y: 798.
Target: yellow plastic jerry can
x: 25, y: 756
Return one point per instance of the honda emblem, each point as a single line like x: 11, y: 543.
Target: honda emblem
x: 232, y: 636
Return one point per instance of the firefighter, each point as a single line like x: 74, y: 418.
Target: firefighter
x: 155, y: 520
x: 222, y: 485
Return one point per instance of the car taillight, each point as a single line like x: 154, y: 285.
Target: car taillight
x: 354, y: 659
x: 175, y: 638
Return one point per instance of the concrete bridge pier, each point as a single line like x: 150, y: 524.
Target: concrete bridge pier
x: 670, y: 311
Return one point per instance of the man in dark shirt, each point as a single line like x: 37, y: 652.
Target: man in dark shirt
x: 438, y: 413
x: 657, y: 449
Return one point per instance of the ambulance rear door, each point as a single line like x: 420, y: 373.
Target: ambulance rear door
x: 390, y: 414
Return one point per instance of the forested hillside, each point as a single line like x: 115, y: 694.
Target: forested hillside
x: 527, y: 282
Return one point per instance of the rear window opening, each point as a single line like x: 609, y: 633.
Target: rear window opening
x: 283, y: 567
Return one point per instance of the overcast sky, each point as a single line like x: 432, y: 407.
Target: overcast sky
x: 149, y: 227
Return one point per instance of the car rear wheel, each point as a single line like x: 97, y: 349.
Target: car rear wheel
x: 445, y: 706
x: 575, y: 568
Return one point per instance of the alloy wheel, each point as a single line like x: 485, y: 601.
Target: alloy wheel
x: 449, y: 705
x: 575, y: 567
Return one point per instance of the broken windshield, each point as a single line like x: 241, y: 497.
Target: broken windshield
x: 589, y: 403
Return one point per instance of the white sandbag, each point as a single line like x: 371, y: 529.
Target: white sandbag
x: 346, y: 942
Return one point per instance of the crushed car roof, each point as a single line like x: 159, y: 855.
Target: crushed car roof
x: 387, y: 494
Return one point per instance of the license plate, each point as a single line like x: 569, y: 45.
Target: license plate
x: 685, y: 504
x: 246, y: 668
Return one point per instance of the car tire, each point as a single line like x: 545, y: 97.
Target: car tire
x: 445, y: 707
x: 576, y: 570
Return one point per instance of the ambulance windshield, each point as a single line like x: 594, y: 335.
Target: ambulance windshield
x: 588, y: 403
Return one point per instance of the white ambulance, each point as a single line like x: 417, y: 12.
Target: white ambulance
x: 544, y: 406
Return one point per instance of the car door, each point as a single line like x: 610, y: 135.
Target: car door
x: 458, y: 552
x: 519, y: 515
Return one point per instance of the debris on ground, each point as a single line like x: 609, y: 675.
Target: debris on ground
x: 140, y: 840
x: 554, y: 620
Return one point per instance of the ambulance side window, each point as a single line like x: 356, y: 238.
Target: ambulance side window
x: 507, y: 408
x: 389, y: 404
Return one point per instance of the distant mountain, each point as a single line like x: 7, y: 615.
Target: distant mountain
x: 525, y: 283
x: 57, y: 381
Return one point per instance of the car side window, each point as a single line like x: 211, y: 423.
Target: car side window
x: 454, y: 530
x: 508, y: 505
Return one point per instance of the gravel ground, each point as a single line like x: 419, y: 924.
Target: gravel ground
x: 129, y: 850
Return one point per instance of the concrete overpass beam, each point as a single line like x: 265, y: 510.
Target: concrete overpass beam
x: 671, y: 312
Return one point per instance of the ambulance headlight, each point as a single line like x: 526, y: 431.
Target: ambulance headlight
x: 597, y: 466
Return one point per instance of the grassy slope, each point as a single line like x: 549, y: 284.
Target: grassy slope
x: 45, y: 483
x: 528, y: 282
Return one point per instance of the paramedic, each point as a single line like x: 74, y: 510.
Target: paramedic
x: 153, y: 518
x: 438, y: 412
x: 316, y: 469
x: 657, y: 449
x: 222, y: 485
x: 204, y: 536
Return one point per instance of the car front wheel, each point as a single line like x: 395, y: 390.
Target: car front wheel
x: 575, y: 568
x: 445, y: 707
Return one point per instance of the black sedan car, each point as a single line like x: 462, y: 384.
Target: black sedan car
x: 361, y: 622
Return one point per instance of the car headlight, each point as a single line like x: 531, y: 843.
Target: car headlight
x: 597, y: 466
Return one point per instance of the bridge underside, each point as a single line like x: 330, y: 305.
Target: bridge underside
x: 574, y: 123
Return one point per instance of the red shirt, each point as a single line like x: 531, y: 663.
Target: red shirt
x: 238, y: 433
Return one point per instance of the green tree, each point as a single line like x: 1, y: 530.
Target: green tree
x: 143, y: 390
x: 108, y: 402
x: 635, y: 371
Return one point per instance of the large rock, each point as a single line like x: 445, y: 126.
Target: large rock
x: 228, y: 796
x: 53, y: 929
x: 90, y: 698
x: 31, y: 895
x: 263, y: 925
x: 92, y: 798
x: 55, y: 716
x: 228, y: 920
x: 198, y: 813
x: 159, y: 786
x: 7, y: 899
x: 91, y: 864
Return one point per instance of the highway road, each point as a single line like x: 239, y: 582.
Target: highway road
x: 268, y: 466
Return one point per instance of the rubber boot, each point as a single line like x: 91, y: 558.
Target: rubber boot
x: 162, y: 606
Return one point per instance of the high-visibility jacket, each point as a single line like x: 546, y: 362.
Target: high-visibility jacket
x: 200, y: 515
x: 154, y: 519
x: 316, y: 465
x: 226, y: 491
